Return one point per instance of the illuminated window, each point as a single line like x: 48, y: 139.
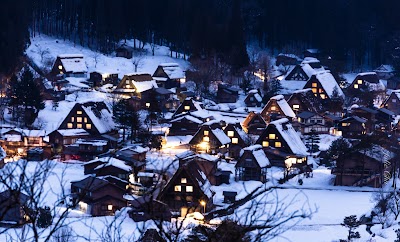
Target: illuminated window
x: 271, y: 136
x: 356, y: 86
x: 177, y: 188
x: 320, y: 90
x: 60, y: 67
x: 189, y: 198
x: 296, y: 106
x: 273, y: 108
x: 72, y: 119
x: 127, y: 86
x: 265, y: 143
x: 85, y: 120
x: 183, y: 180
x: 231, y: 133
x: 345, y: 124
x: 110, y: 207
x: 359, y: 81
x: 323, y: 96
x: 189, y: 188
x: 88, y: 126
x: 78, y: 112
x: 314, y: 84
x: 69, y: 125
x: 314, y: 90
x: 187, y: 108
x: 79, y: 119
x: 206, y: 132
x: 147, y: 105
x: 127, y: 82
x: 235, y: 140
x: 393, y: 100
x: 79, y: 126
x: 206, y: 139
x: 278, y: 144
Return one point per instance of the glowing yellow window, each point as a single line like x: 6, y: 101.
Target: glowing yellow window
x: 206, y: 139
x: 206, y: 132
x: 273, y: 108
x: 69, y: 125
x: 314, y: 84
x: 278, y: 144
x: 72, y: 119
x: 359, y: 81
x: 296, y: 106
x: 235, y: 140
x: 320, y: 90
x: 110, y: 207
x: 323, y: 96
x: 79, y: 119
x: 271, y: 136
x: 78, y: 112
x: 183, y: 180
x: 85, y: 120
x: 187, y: 108
x: 189, y: 188
x: 356, y: 86
x: 314, y: 90
x: 231, y: 133
x: 79, y: 126
x: 60, y: 67
x: 265, y: 143
x: 88, y: 126
x: 177, y: 188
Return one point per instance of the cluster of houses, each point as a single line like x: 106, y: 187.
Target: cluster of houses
x: 273, y: 136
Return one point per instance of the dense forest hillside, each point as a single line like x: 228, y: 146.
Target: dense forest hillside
x: 358, y: 32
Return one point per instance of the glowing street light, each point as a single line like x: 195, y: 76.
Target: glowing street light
x: 203, y: 203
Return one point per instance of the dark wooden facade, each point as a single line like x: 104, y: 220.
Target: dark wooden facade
x: 188, y: 190
x: 352, y: 127
x: 277, y: 108
x: 13, y: 208
x: 253, y: 99
x: 366, y: 167
x: 227, y: 94
x: 98, y: 197
x: 305, y: 100
x: 184, y: 124
x: 239, y: 139
x: 249, y: 166
x: 188, y: 105
x: 254, y: 123
x: 392, y: 103
x: 163, y: 75
x: 209, y: 139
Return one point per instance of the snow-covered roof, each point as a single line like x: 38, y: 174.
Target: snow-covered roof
x: 188, y: 117
x: 72, y: 132
x: 100, y: 116
x: 378, y: 153
x: 256, y: 95
x: 284, y: 106
x: 290, y: 135
x: 385, y: 68
x: 328, y: 82
x: 208, y: 157
x: 259, y: 155
x: 221, y: 136
x: 73, y: 63
x: 173, y: 70
x: 241, y: 133
x: 144, y: 86
x: 367, y: 73
x: 110, y: 161
x: 77, y: 82
x: 28, y: 132
x: 93, y: 142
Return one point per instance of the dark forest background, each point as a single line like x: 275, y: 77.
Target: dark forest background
x: 356, y: 32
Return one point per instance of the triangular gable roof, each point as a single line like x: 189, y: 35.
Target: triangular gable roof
x: 100, y: 115
x: 356, y: 118
x: 259, y: 155
x: 254, y: 93
x: 73, y: 63
x: 308, y: 67
x: 395, y: 93
x: 385, y: 68
x: 193, y: 105
x: 171, y: 70
x: 251, y: 117
x: 110, y: 161
x: 195, y: 174
x: 308, y: 99
x: 282, y: 104
x: 328, y: 82
x: 288, y: 134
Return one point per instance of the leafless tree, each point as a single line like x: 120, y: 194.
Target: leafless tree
x: 137, y: 59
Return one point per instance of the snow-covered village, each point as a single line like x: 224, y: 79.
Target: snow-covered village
x: 209, y: 127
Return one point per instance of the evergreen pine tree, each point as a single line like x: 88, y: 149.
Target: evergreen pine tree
x: 351, y: 223
x: 312, y: 141
x: 45, y: 218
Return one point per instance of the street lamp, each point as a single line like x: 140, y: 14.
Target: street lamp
x: 203, y: 203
